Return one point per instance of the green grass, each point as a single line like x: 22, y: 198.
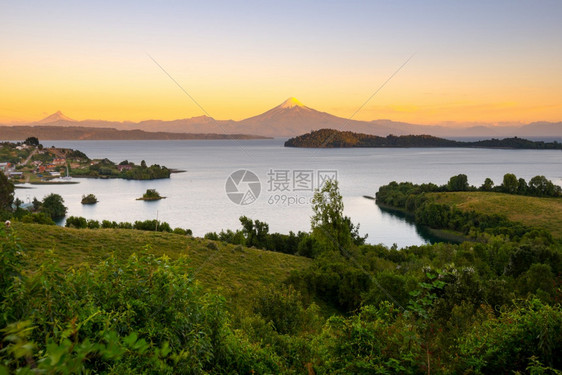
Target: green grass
x: 232, y: 271
x: 545, y: 213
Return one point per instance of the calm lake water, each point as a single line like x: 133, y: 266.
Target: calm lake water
x: 197, y: 199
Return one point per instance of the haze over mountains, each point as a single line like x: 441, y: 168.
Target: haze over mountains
x: 292, y: 118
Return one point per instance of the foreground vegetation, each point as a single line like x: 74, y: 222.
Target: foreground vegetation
x: 130, y: 301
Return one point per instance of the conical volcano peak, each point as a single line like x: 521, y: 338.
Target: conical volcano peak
x: 57, y: 116
x: 291, y: 103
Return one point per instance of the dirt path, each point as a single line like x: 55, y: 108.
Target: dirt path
x: 29, y: 157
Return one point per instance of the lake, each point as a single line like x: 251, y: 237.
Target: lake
x: 197, y: 199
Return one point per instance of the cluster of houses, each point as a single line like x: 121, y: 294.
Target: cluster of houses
x: 39, y: 168
x: 51, y: 167
x: 9, y: 170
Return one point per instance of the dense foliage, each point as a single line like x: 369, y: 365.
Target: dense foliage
x: 477, y: 307
x: 329, y: 138
x: 146, y: 225
x: 6, y: 193
x: 151, y: 195
x: 403, y: 195
x: 89, y: 199
x: 141, y: 315
x: 53, y: 206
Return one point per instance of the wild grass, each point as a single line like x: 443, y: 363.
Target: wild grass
x: 235, y: 272
x: 545, y: 213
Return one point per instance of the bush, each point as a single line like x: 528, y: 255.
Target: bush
x: 141, y: 315
x: 508, y: 343
x: 38, y: 218
x: 76, y: 222
x: 212, y: 246
x: 53, y: 205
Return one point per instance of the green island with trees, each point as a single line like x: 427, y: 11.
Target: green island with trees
x: 144, y: 298
x: 330, y: 138
x: 29, y: 161
x: 151, y: 195
x: 89, y: 199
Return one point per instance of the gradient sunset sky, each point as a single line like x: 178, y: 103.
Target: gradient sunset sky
x: 475, y: 61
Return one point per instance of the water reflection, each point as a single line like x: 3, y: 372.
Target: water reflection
x: 423, y: 231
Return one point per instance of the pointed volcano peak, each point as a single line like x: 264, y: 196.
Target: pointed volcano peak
x: 291, y: 103
x: 57, y: 116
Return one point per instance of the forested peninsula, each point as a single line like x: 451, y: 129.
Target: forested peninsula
x: 329, y: 138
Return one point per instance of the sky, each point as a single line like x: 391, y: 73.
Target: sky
x: 470, y: 61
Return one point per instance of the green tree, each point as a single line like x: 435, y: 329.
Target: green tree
x: 53, y: 205
x: 458, y: 183
x: 542, y: 187
x: 487, y: 185
x: 255, y: 232
x: 32, y: 141
x: 6, y: 193
x: 330, y: 227
x: 151, y: 194
x: 522, y: 188
x: 510, y: 183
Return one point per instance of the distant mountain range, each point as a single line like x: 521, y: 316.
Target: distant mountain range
x: 292, y: 118
x: 54, y: 132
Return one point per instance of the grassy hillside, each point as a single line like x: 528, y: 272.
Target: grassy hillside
x: 233, y: 271
x: 543, y: 213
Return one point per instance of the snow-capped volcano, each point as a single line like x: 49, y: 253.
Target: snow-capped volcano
x: 291, y: 103
x: 292, y: 117
x: 55, y: 117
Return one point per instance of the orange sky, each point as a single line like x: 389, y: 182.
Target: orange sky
x: 476, y: 63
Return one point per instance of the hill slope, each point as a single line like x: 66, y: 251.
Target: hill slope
x: 543, y: 213
x: 234, y: 272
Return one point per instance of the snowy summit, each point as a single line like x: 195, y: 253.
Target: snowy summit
x: 291, y: 103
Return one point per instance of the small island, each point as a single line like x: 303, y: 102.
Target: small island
x: 330, y: 138
x: 89, y: 199
x: 151, y: 195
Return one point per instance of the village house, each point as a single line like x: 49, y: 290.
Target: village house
x: 125, y: 167
x: 5, y: 166
x: 15, y: 175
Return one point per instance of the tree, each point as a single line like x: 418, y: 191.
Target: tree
x: 18, y: 202
x: 487, y: 185
x: 330, y: 227
x: 6, y: 193
x: 522, y: 187
x: 36, y: 204
x: 510, y: 183
x: 151, y: 194
x: 32, y: 141
x: 542, y: 187
x: 53, y: 205
x: 255, y: 232
x: 458, y: 183
x: 143, y: 164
